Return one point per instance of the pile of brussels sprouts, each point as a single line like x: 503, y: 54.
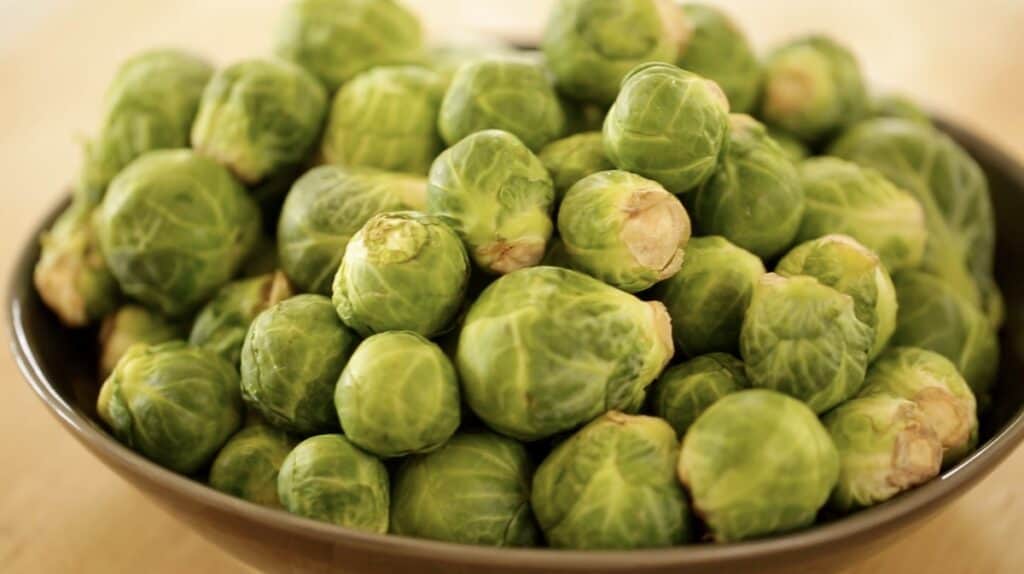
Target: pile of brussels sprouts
x: 516, y: 298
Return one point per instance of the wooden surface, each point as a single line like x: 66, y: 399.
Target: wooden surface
x: 62, y: 511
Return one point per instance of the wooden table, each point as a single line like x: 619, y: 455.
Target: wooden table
x: 62, y: 511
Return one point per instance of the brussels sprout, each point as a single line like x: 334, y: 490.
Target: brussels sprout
x: 804, y: 339
x: 843, y: 197
x: 327, y: 478
x: 401, y: 271
x: 669, y: 125
x: 898, y: 106
x: 174, y: 227
x: 150, y: 105
x: 497, y: 196
x: 794, y: 149
x: 259, y: 117
x: 248, y: 464
x: 132, y: 324
x: 291, y: 360
x: 222, y: 324
x: 325, y: 208
x: 473, y: 490
x: 544, y: 350
x: 337, y: 39
x: 386, y: 118
x: 812, y: 88
x: 573, y: 158
x: 885, y: 447
x: 838, y: 261
x: 174, y: 404
x: 590, y: 45
x: 756, y: 463
x: 685, y: 391
x: 754, y: 198
x: 719, y: 50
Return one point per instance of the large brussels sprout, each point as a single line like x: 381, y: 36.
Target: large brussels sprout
x: 719, y: 50
x: 669, y: 125
x: 756, y: 463
x: 327, y: 478
x: 131, y: 324
x: 174, y: 227
x: 843, y: 197
x: 497, y: 196
x: 573, y: 158
x: 545, y: 349
x: 754, y: 198
x: 686, y: 390
x: 709, y: 296
x: 291, y: 360
x: 386, y: 118
x: 248, y: 465
x: 898, y: 106
x: 804, y: 339
x: 325, y: 208
x: 174, y: 404
x: 624, y: 229
x: 402, y: 271
x: 473, y: 490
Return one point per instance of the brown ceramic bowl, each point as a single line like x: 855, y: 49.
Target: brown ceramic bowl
x: 60, y: 367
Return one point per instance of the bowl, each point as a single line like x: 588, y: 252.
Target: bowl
x: 60, y: 366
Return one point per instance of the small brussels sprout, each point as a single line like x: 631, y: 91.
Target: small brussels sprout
x: 574, y: 158
x: 291, y: 360
x: 754, y: 198
x: 899, y: 106
x: 545, y: 349
x: 843, y: 197
x: 669, y: 125
x: 719, y: 50
x: 128, y: 325
x: 624, y: 229
x: 812, y: 88
x: 386, y: 118
x: 794, y: 149
x: 686, y: 390
x: 885, y: 447
x: 402, y: 271
x: 222, y: 324
x: 325, y: 208
x: 473, y: 490
x: 757, y: 463
x: 174, y: 227
x: 327, y: 478
x: 259, y: 117
x: 804, y: 339
x: 174, y: 404
x: 497, y: 196
x: 248, y: 465
x: 838, y: 261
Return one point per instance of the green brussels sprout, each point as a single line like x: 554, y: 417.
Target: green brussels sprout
x: 573, y: 158
x: 402, y: 271
x: 545, y: 349
x: 754, y: 198
x: 686, y: 390
x: 337, y: 39
x: 885, y: 447
x: 222, y: 324
x: 794, y: 149
x: 259, y: 117
x: 497, y: 196
x: 128, y: 325
x: 505, y: 93
x: 291, y: 359
x: 899, y: 106
x: 398, y: 395
x: 624, y: 229
x: 174, y: 404
x: 325, y: 208
x: 838, y: 261
x: 804, y: 339
x: 813, y: 87
x: 668, y: 125
x: 757, y: 463
x: 327, y: 478
x: 709, y: 296
x: 248, y: 465
x: 590, y: 45
x: 174, y: 227
x: 473, y: 490
x: 612, y: 485
x: 150, y: 105
x: 719, y: 50
x: 843, y: 197
x: 386, y: 118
